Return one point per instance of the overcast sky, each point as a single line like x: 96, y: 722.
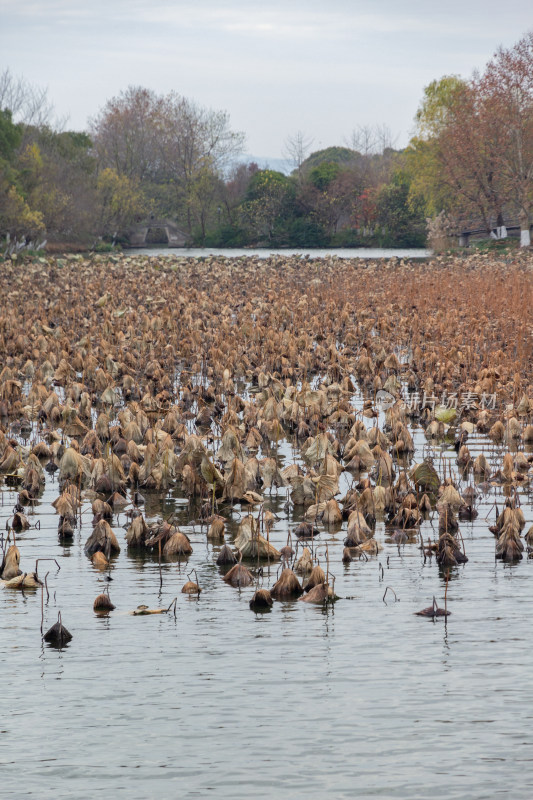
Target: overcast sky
x: 277, y: 66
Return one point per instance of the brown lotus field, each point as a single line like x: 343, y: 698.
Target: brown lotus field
x: 127, y: 376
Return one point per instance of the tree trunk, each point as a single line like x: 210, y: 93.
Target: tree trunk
x: 525, y: 236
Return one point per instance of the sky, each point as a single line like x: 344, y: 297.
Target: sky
x: 277, y: 67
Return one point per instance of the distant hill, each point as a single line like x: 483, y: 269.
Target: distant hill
x: 344, y: 156
x: 336, y: 155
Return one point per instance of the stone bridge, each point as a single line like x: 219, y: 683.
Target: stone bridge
x: 156, y: 231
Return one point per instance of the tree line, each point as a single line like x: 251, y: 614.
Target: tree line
x: 471, y: 160
x: 147, y: 156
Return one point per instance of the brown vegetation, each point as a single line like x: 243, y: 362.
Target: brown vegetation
x: 101, y: 360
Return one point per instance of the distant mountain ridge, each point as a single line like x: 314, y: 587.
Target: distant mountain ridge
x: 268, y: 162
x: 335, y: 154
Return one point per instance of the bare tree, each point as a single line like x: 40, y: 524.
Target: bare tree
x: 371, y: 139
x: 373, y: 152
x: 296, y: 149
x: 506, y: 90
x: 28, y: 104
x: 167, y: 141
x: 125, y: 131
x: 475, y: 145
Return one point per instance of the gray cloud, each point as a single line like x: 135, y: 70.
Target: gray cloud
x: 277, y: 67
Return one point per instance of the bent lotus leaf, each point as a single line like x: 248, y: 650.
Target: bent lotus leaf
x: 446, y: 415
x: 316, y: 577
x: 315, y: 511
x: 177, y: 545
x: 142, y: 611
x: 433, y: 611
x: 103, y: 603
x: 327, y: 487
x: 318, y: 448
x: 239, y: 576
x: 137, y: 532
x: 261, y: 601
x: 99, y: 560
x: 362, y: 450
x: 250, y: 542
x: 102, y: 301
x: 304, y: 563
x: 216, y: 529
x: 226, y: 556
x: 287, y: 586
x: 259, y: 547
x: 190, y: 588
x: 102, y: 539
x: 450, y: 498
x: 322, y: 593
x: 425, y: 477
x: 252, y: 498
x: 248, y: 528
x: 10, y: 564
x: 109, y: 396
x: 371, y: 547
x: 58, y: 635
x: 270, y: 473
x: 10, y: 461
x: 230, y: 447
x: 303, y: 490
x: 234, y: 487
x: 28, y: 580
x: 330, y: 466
x: 73, y: 464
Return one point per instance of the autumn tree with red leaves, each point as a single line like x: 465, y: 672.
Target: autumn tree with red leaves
x: 507, y: 91
x: 473, y: 153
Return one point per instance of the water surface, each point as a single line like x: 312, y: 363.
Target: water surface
x: 359, y: 699
x: 265, y: 252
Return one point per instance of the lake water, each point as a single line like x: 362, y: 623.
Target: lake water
x: 264, y: 252
x: 360, y: 699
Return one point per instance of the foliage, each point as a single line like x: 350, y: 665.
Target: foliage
x: 101, y: 246
x: 336, y: 155
x: 166, y: 156
x: 495, y: 245
x: 268, y: 206
x: 174, y: 148
x: 400, y: 220
x: 506, y: 89
x: 10, y: 135
x: 322, y: 175
x: 471, y: 159
x: 18, y: 220
x: 352, y: 237
x: 266, y: 182
x: 225, y: 236
x: 121, y: 201
x: 422, y: 163
x: 473, y: 153
x: 304, y: 232
x: 438, y: 104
